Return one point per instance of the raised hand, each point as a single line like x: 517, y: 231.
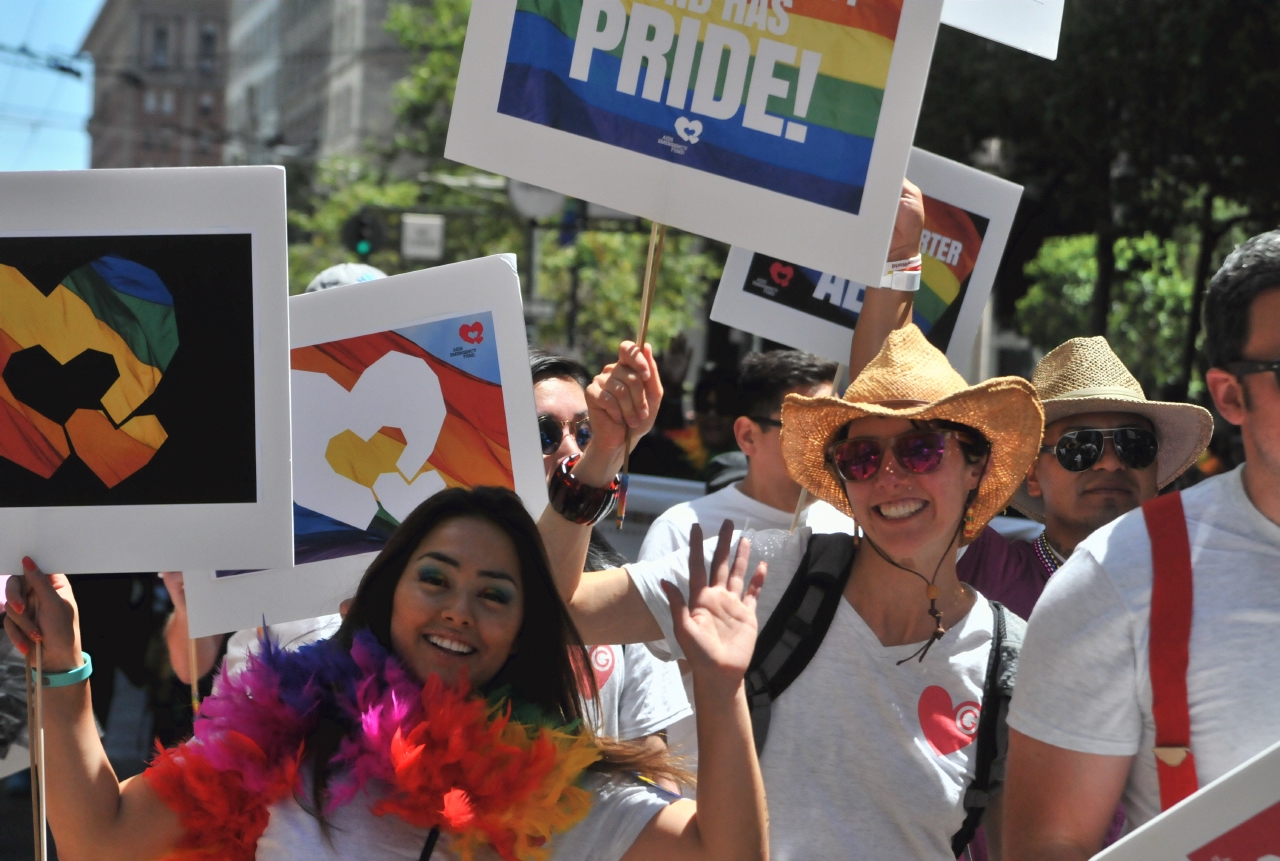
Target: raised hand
x: 908, y: 224
x: 40, y: 607
x: 716, y: 628
x: 625, y: 396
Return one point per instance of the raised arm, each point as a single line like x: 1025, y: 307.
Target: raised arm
x: 716, y: 629
x: 885, y: 310
x: 605, y: 605
x: 176, y: 633
x: 91, y: 813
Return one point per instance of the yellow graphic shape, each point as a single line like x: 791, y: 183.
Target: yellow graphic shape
x: 362, y: 461
x: 941, y: 279
x: 65, y: 326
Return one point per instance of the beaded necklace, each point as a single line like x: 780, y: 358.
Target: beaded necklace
x: 1045, y: 554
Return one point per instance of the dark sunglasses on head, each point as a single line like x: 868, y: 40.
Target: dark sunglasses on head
x: 1078, y: 450
x: 553, y: 431
x: 1249, y: 366
x: 918, y: 451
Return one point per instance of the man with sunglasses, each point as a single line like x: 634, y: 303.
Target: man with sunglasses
x: 640, y: 697
x: 1149, y: 668
x: 767, y: 497
x: 1106, y: 449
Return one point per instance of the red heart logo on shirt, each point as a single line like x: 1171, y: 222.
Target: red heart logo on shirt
x: 602, y: 664
x: 472, y: 334
x: 947, y: 728
x: 781, y: 273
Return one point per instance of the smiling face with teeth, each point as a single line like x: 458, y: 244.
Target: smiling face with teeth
x: 911, y: 516
x: 459, y: 603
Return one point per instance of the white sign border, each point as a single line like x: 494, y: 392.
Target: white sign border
x: 941, y: 178
x: 158, y: 202
x: 683, y: 197
x: 1034, y: 26
x: 217, y: 605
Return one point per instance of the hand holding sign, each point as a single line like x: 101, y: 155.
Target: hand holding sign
x: 908, y: 225
x: 624, y: 396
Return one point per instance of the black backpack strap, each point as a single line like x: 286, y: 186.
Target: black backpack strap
x: 993, y: 730
x: 794, y: 631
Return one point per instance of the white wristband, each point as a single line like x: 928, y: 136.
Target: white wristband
x: 903, y: 275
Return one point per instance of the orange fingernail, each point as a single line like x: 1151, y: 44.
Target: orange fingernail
x: 36, y: 636
x: 24, y: 648
x: 18, y: 607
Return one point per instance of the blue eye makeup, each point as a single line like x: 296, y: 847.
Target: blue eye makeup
x: 431, y: 575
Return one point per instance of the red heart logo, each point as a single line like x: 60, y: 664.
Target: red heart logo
x: 472, y: 334
x: 947, y: 728
x: 602, y: 664
x: 781, y: 273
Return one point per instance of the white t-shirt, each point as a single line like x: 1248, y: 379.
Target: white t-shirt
x: 639, y: 695
x: 866, y: 760
x: 670, y: 532
x: 622, y: 807
x: 289, y: 635
x: 1084, y: 682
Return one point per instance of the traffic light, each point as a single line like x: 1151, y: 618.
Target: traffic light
x: 364, y: 233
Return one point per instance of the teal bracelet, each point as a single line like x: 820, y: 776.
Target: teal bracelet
x: 70, y: 677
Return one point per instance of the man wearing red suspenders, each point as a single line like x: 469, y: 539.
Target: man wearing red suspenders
x: 1149, y: 667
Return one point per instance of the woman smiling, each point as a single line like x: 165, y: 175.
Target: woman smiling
x: 443, y: 721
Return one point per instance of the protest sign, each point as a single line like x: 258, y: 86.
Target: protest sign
x: 968, y: 215
x: 780, y: 126
x: 144, y: 369
x: 401, y: 387
x: 1234, y: 818
x: 1030, y: 25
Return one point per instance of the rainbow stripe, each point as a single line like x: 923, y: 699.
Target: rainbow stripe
x: 947, y: 265
x: 839, y: 123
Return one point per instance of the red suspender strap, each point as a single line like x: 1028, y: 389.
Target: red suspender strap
x: 1169, y: 642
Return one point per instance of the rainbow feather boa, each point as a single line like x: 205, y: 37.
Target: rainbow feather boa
x: 440, y: 756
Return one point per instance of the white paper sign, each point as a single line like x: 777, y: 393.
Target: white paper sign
x: 1030, y: 25
x: 968, y: 215
x: 778, y: 126
x: 144, y: 369
x: 1235, y: 818
x: 401, y: 386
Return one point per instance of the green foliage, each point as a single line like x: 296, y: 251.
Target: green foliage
x: 342, y: 187
x: 1147, y: 320
x: 610, y: 278
x: 424, y: 100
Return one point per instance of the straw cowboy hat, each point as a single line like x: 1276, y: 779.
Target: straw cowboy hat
x: 1085, y: 376
x: 910, y: 379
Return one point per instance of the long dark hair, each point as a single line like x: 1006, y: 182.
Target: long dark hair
x: 549, y: 659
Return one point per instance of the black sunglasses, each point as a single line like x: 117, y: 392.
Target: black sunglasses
x: 553, y: 431
x: 1249, y: 366
x: 766, y: 422
x: 1078, y: 450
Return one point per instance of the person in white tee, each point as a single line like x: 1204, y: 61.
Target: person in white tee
x: 1082, y: 730
x: 767, y: 497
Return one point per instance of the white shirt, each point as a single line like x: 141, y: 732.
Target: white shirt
x: 670, y: 532
x: 288, y: 635
x: 1084, y: 681
x: 620, y: 810
x: 639, y: 695
x: 866, y: 760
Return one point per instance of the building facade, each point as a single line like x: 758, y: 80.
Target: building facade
x: 309, y: 79
x: 160, y: 75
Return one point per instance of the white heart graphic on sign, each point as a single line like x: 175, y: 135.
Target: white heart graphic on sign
x: 689, y: 130
x: 398, y: 391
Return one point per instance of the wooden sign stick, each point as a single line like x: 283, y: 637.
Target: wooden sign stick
x: 657, y: 235
x: 32, y: 728
x: 194, y: 672
x: 37, y: 738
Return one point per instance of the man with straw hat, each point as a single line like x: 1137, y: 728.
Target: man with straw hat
x: 871, y: 686
x: 1150, y: 665
x: 1106, y: 450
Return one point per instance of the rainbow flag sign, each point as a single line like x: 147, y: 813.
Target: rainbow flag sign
x: 968, y: 215
x: 400, y: 388
x: 780, y: 123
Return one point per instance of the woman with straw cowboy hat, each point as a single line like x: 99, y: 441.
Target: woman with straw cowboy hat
x: 1106, y: 450
x: 868, y: 686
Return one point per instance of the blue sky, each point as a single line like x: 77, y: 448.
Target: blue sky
x: 43, y: 113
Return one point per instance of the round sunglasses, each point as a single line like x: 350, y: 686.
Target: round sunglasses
x: 918, y: 451
x: 553, y: 431
x: 1079, y: 450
